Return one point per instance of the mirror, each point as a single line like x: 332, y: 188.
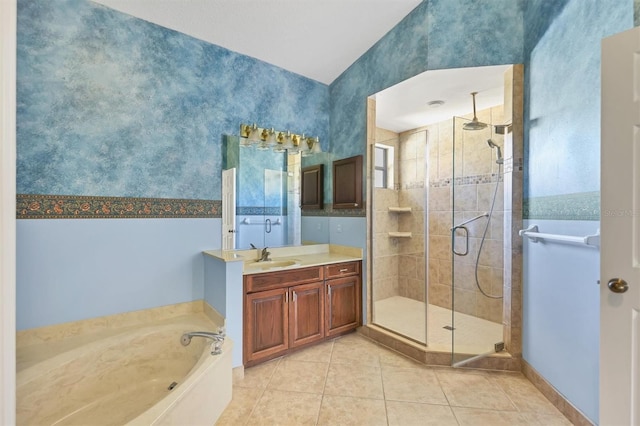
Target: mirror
x: 267, y: 208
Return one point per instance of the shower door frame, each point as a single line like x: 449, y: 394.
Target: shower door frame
x: 458, y: 221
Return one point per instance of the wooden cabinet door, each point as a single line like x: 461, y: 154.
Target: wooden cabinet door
x: 312, y: 190
x: 347, y: 183
x: 266, y: 331
x: 343, y: 305
x: 306, y: 314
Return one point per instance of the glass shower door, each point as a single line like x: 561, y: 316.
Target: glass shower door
x: 476, y: 241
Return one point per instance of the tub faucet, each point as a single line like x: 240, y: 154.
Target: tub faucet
x: 218, y: 339
x: 264, y: 256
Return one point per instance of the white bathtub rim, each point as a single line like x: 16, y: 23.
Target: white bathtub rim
x: 164, y: 405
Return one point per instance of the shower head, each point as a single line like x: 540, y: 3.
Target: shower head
x: 492, y: 144
x: 474, y: 124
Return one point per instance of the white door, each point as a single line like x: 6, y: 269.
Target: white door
x: 620, y: 223
x: 229, y: 209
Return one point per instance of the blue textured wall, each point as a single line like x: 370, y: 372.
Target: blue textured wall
x: 113, y: 105
x: 562, y: 142
x: 562, y: 179
x: 561, y: 318
x: 437, y: 34
x: 69, y: 270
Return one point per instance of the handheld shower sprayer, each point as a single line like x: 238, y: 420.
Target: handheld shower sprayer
x: 492, y: 144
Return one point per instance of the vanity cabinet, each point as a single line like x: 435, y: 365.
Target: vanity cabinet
x: 343, y: 297
x: 306, y: 314
x: 286, y: 310
x: 266, y: 321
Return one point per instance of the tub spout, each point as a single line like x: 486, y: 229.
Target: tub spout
x: 218, y: 339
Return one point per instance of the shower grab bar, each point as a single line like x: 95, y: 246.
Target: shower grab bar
x: 485, y: 214
x: 532, y: 233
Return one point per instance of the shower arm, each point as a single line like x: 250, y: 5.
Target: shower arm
x: 485, y: 214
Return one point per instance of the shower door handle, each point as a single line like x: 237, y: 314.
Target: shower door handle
x: 466, y: 239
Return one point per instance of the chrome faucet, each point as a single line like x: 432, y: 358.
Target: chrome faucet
x: 218, y: 339
x: 264, y: 256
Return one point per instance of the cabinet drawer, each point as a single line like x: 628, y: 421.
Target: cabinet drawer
x: 342, y: 269
x: 272, y: 280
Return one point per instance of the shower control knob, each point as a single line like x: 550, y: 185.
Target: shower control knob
x: 618, y: 285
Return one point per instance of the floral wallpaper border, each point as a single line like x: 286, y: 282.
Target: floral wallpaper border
x: 580, y: 206
x: 259, y: 211
x: 38, y: 206
x: 330, y: 212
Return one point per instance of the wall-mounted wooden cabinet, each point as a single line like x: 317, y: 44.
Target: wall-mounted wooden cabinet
x: 312, y: 192
x: 347, y: 183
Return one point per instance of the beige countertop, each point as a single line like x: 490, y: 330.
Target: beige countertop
x: 285, y: 258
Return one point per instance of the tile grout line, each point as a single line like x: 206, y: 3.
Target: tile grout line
x: 333, y: 342
x: 384, y: 394
x: 435, y: 373
x: 497, y: 383
x: 264, y: 390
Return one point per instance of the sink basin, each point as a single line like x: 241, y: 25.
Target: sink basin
x: 278, y: 263
x: 270, y: 264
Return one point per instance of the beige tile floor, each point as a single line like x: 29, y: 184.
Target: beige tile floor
x: 354, y: 381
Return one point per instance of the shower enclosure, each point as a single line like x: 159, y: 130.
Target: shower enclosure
x: 438, y: 235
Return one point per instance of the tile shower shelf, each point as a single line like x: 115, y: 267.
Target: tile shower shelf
x: 399, y: 209
x: 399, y: 234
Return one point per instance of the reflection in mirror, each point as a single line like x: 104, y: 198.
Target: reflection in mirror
x: 267, y: 195
x: 312, y: 187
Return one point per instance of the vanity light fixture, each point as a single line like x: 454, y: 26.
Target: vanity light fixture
x: 278, y: 141
x: 313, y: 147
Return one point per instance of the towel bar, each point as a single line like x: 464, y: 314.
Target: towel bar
x: 532, y: 233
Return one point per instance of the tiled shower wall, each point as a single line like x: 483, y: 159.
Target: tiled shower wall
x: 399, y: 264
x: 385, y: 256
x: 412, y: 171
x: 476, y: 174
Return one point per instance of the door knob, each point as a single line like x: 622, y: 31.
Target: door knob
x: 618, y: 285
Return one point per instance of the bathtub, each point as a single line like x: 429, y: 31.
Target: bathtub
x: 137, y: 376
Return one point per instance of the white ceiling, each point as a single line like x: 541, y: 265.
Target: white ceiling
x: 405, y: 105
x: 319, y: 39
